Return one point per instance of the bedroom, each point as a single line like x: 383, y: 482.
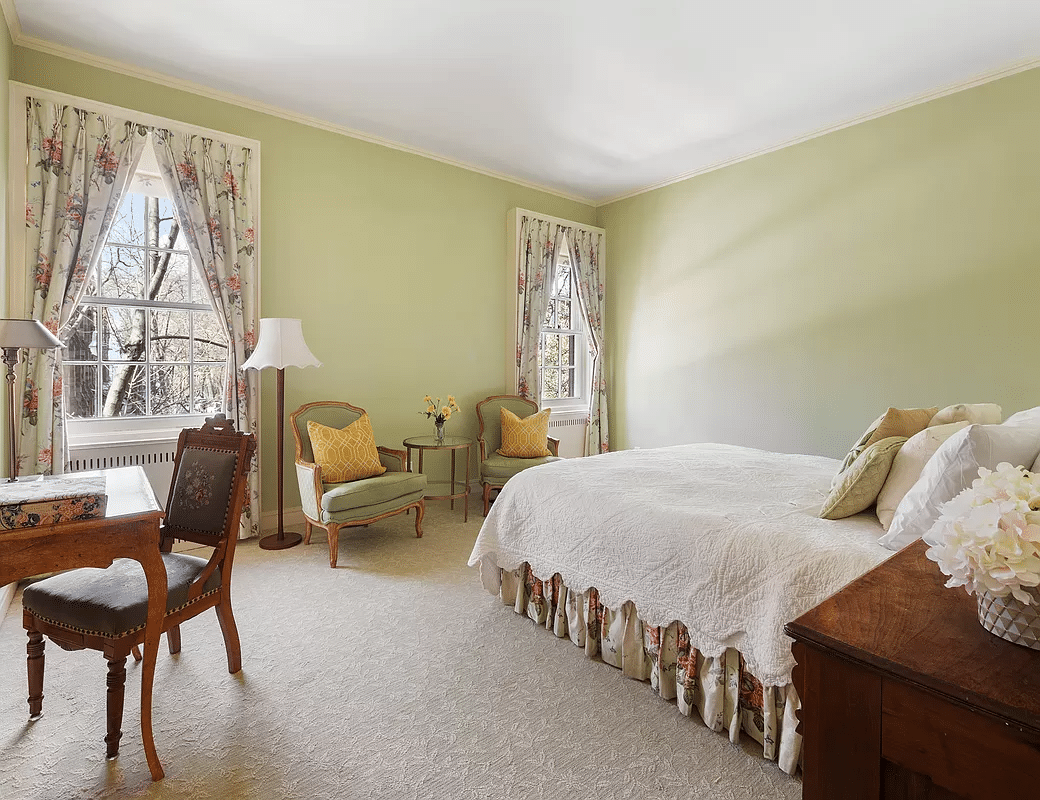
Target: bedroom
x: 780, y: 302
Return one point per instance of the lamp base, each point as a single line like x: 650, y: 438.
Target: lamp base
x: 280, y: 541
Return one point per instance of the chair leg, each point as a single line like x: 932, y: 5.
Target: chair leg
x: 420, y: 512
x: 230, y: 631
x: 487, y: 498
x: 135, y: 651
x: 116, y: 691
x: 333, y: 531
x: 34, y: 662
x: 173, y: 639
x: 306, y: 531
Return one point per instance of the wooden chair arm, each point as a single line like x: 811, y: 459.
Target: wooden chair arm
x: 393, y: 460
x: 553, y: 445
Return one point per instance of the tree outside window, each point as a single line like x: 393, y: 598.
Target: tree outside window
x: 145, y: 341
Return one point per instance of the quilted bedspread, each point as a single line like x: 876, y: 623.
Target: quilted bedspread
x: 724, y: 539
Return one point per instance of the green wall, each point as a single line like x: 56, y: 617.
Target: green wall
x: 395, y: 263
x: 785, y: 301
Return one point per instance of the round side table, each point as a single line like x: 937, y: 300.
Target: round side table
x: 452, y: 443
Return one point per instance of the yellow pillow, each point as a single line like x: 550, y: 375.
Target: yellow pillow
x: 525, y: 438
x: 345, y: 455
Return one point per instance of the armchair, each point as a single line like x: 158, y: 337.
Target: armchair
x: 360, y: 502
x: 496, y: 469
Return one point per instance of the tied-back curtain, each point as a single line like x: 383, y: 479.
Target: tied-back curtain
x: 79, y: 166
x: 539, y: 243
x: 585, y: 256
x: 211, y: 188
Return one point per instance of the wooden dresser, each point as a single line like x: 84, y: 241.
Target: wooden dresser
x: 904, y: 695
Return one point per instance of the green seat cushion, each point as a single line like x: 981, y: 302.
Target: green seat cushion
x: 111, y: 601
x: 370, y: 492
x: 499, y: 469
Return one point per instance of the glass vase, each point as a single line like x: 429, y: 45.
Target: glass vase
x: 440, y: 432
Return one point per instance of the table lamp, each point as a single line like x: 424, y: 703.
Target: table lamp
x: 281, y: 345
x: 16, y: 334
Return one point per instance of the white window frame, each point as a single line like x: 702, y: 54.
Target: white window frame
x: 572, y: 407
x: 116, y: 429
x: 582, y: 367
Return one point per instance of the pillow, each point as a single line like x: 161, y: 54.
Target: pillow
x: 345, y: 455
x: 894, y: 422
x: 955, y: 465
x: 525, y: 438
x: 908, y: 465
x: 860, y: 483
x: 981, y: 413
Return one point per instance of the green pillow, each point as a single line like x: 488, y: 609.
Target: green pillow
x: 862, y: 482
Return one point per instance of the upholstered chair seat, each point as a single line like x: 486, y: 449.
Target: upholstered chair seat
x: 495, y: 468
x: 112, y: 601
x: 341, y: 503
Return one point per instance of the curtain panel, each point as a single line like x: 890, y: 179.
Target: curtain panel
x: 210, y: 187
x: 540, y: 241
x: 79, y: 166
x: 585, y: 248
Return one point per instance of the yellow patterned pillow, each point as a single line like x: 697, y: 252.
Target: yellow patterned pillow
x: 348, y: 454
x: 525, y: 438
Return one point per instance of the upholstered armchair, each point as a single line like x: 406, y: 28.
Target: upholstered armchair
x: 496, y: 469
x: 353, y: 503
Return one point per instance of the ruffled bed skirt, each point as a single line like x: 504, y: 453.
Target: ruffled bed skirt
x: 720, y: 690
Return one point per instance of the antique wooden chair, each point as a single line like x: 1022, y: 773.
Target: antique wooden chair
x: 354, y: 503
x: 105, y: 609
x: 496, y: 469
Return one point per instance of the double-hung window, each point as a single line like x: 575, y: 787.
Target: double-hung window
x: 144, y: 342
x: 563, y: 350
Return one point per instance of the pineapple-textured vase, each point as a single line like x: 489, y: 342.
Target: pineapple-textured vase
x: 1010, y: 618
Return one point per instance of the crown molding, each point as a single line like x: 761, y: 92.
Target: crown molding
x: 978, y: 80
x: 142, y: 73
x: 14, y: 24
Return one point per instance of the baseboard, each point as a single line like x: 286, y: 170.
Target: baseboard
x: 290, y: 516
x: 6, y: 596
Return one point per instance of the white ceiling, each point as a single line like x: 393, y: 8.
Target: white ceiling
x: 593, y: 99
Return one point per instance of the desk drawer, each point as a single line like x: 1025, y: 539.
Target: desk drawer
x: 972, y: 754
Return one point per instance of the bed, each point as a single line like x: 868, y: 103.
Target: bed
x: 680, y: 566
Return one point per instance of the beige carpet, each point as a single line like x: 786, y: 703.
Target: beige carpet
x: 393, y: 676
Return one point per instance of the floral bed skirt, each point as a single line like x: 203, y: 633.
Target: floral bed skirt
x: 720, y: 690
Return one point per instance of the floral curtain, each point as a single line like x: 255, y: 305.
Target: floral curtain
x: 79, y: 166
x: 209, y: 185
x: 585, y: 258
x: 540, y: 241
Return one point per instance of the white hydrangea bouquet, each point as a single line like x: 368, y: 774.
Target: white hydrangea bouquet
x: 987, y: 539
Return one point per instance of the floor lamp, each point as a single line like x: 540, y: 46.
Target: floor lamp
x: 281, y: 345
x: 14, y: 335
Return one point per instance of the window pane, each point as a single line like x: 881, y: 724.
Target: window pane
x: 126, y: 228
x: 210, y: 341
x: 122, y: 334
x: 567, y: 351
x: 79, y: 391
x: 172, y: 270
x: 210, y: 388
x: 563, y: 314
x: 567, y: 383
x: 563, y: 281
x: 170, y: 388
x: 123, y: 391
x: 82, y: 341
x: 550, y: 315
x: 122, y: 272
x: 550, y: 384
x: 166, y: 220
x: 171, y: 335
x: 551, y: 350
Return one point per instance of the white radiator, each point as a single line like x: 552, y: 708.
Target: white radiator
x: 154, y: 455
x: 570, y: 430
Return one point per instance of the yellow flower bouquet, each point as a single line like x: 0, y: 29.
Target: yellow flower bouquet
x: 440, y: 413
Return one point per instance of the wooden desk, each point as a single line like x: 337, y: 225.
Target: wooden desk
x: 904, y: 694
x: 129, y: 529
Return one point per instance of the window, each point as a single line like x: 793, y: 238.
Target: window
x: 145, y: 341
x: 563, y: 350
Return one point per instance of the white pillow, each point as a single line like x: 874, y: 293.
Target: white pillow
x: 908, y: 465
x: 982, y: 413
x: 955, y: 465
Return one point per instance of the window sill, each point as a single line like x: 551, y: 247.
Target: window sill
x: 93, y: 432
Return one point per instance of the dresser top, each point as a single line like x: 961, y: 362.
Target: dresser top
x: 901, y: 620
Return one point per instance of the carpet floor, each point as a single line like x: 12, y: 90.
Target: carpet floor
x: 393, y: 676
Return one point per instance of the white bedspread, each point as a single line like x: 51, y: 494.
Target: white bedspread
x: 724, y: 539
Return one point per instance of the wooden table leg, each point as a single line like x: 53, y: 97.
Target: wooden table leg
x: 451, y: 491
x: 155, y: 574
x: 465, y: 513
